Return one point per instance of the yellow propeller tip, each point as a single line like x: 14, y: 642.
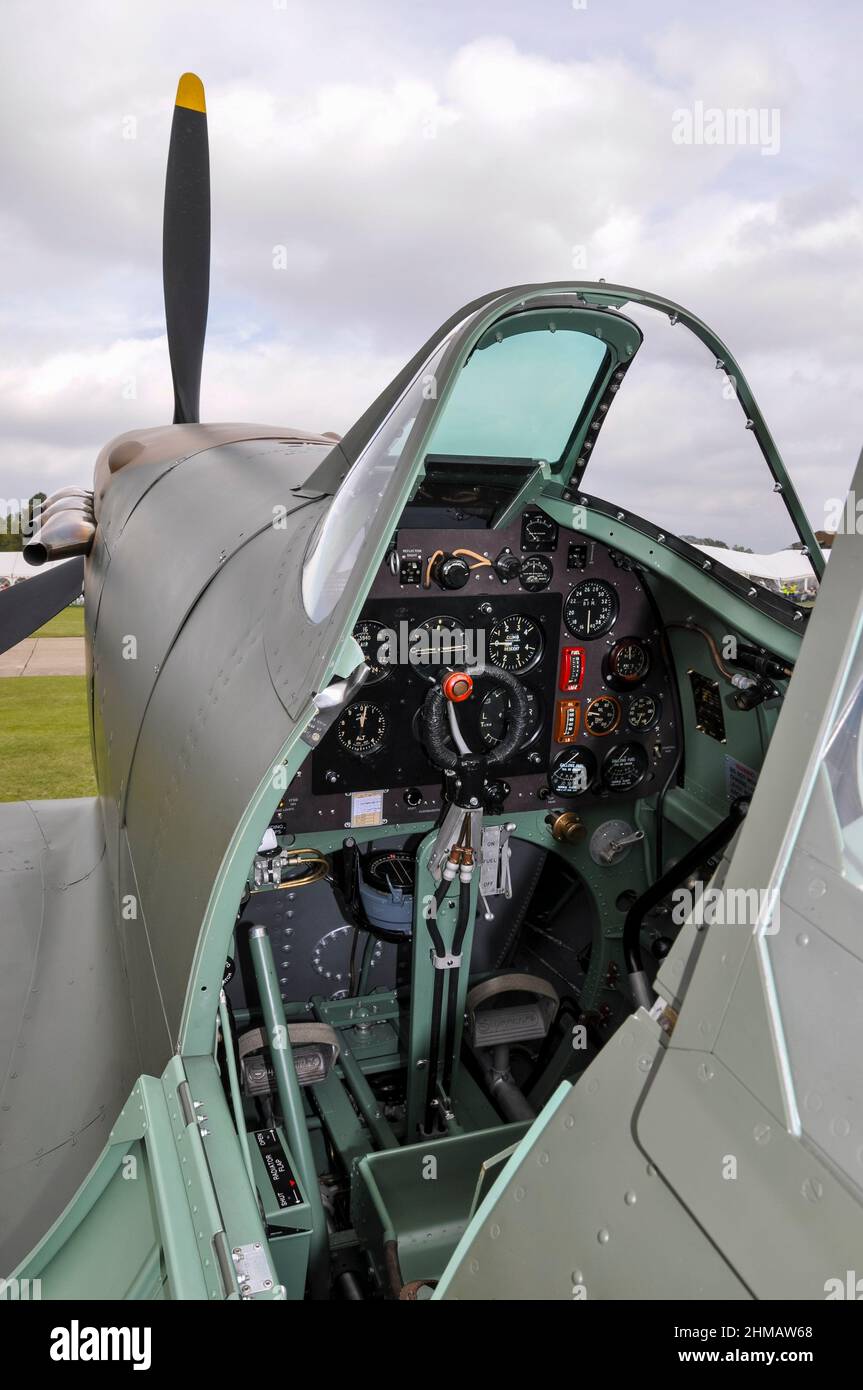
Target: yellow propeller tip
x: 190, y: 92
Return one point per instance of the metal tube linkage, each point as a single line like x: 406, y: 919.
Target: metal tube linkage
x: 282, y: 1058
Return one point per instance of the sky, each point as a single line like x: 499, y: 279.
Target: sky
x: 377, y: 164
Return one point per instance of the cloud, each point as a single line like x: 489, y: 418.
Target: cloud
x: 370, y: 177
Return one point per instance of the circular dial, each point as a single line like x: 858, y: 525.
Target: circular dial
x: 394, y: 869
x: 494, y: 713
x: 367, y: 634
x: 629, y: 661
x: 361, y: 728
x: 573, y: 773
x: 602, y: 715
x: 591, y: 608
x: 537, y: 572
x: 624, y: 767
x: 437, y: 643
x: 515, y: 643
x: 538, y: 530
x: 642, y: 711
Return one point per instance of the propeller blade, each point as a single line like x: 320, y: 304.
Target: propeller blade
x: 186, y: 245
x: 26, y: 606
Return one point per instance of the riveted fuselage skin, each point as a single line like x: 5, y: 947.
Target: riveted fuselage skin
x: 185, y: 717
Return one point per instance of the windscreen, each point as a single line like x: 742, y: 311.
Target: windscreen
x: 523, y: 389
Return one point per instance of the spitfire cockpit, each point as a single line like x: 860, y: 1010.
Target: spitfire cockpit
x: 426, y: 736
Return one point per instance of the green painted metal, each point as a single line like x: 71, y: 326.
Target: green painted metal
x: 139, y: 1172
x: 288, y: 1230
x: 360, y: 1089
x: 234, y: 1211
x: 234, y: 1083
x: 291, y: 1100
x: 736, y: 613
x: 423, y: 979
x: 348, y: 1135
x: 420, y: 1196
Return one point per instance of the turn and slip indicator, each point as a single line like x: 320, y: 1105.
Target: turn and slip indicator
x: 567, y: 717
x: 572, y: 661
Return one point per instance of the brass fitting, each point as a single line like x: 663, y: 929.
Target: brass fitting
x: 566, y: 827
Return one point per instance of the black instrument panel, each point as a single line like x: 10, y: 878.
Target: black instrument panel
x: 567, y: 617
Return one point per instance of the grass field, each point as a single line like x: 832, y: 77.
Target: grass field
x: 44, y: 738
x: 68, y: 623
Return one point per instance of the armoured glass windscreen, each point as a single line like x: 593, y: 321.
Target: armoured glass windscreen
x: 522, y: 391
x: 676, y: 452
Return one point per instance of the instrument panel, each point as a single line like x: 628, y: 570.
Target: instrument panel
x: 567, y: 617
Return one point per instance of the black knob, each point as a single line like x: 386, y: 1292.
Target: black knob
x: 507, y: 566
x: 451, y: 572
x: 413, y: 796
x: 496, y: 793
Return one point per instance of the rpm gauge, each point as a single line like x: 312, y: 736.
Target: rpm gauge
x: 494, y: 714
x: 602, y: 715
x: 573, y: 773
x: 361, y: 728
x: 515, y: 643
x: 591, y: 608
x: 642, y: 712
x: 536, y: 573
x: 367, y: 635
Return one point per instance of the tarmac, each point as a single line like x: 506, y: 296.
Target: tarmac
x: 45, y: 656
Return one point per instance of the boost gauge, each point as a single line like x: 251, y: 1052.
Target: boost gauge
x: 361, y: 728
x: 515, y: 643
x: 591, y: 608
